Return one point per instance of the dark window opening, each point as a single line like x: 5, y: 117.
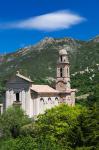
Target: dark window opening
x: 61, y: 58
x: 56, y: 98
x: 67, y: 72
x: 49, y: 99
x: 61, y: 72
x: 17, y: 97
x: 41, y: 99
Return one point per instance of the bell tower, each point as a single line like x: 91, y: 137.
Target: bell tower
x: 63, y: 73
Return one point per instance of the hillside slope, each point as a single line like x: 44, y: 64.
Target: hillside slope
x: 39, y: 61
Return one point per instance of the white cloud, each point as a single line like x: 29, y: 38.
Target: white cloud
x: 47, y: 22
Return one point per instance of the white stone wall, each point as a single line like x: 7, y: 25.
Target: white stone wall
x: 70, y: 99
x: 28, y: 103
x: 36, y: 106
x: 23, y: 97
x: 73, y: 98
x: 25, y: 100
x: 9, y: 98
x: 39, y: 105
x: 1, y: 109
x: 45, y: 103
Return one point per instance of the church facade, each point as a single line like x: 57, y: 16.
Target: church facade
x: 35, y: 99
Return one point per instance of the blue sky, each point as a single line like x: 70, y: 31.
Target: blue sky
x: 25, y: 22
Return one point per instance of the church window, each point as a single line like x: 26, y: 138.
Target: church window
x: 17, y: 97
x: 61, y: 58
x: 61, y: 72
x: 41, y: 99
x: 56, y: 98
x: 49, y: 99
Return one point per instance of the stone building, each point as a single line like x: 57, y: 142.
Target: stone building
x: 1, y: 108
x: 35, y: 99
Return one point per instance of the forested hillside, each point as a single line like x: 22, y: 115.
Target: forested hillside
x: 39, y: 62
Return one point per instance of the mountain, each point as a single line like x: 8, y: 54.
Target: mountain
x: 96, y: 39
x: 39, y: 61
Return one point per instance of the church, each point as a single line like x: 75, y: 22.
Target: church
x: 35, y: 99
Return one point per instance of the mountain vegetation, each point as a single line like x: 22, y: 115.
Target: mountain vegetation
x: 62, y: 127
x: 39, y: 62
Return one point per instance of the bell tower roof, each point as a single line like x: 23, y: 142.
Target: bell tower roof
x: 63, y: 52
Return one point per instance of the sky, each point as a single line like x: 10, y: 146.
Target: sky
x: 26, y: 22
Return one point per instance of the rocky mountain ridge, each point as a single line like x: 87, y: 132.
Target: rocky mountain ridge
x: 39, y: 61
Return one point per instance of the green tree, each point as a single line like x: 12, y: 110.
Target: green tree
x: 29, y: 143
x: 11, y: 121
x: 86, y: 132
x: 55, y: 125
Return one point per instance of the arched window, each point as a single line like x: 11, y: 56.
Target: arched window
x: 41, y: 99
x: 17, y: 97
x: 56, y: 98
x: 61, y: 72
x: 49, y: 99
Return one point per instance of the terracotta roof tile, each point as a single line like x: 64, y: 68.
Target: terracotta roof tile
x: 43, y: 89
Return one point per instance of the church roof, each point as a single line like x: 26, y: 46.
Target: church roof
x: 43, y: 89
x: 63, y: 52
x: 23, y: 77
x: 68, y: 91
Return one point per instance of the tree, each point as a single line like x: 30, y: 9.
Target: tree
x: 55, y: 125
x: 11, y: 121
